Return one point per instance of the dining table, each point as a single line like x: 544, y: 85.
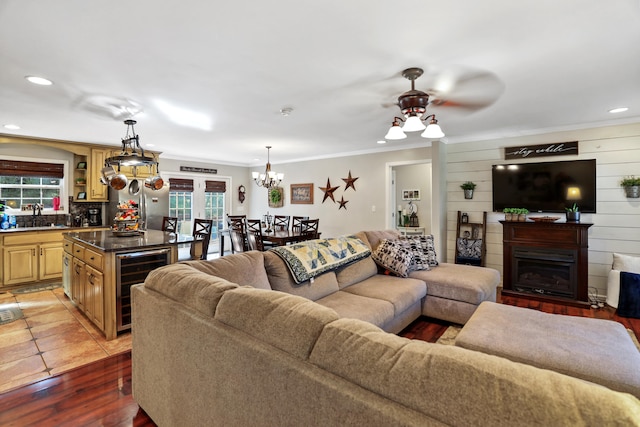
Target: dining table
x: 275, y: 237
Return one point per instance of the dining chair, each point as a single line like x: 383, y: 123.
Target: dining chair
x: 296, y: 222
x: 238, y: 232
x: 170, y: 224
x: 309, y: 229
x: 254, y: 235
x: 281, y: 222
x: 202, y: 229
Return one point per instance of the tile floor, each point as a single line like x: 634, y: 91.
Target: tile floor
x: 52, y: 337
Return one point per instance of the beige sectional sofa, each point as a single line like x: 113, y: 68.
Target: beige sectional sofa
x: 213, y: 344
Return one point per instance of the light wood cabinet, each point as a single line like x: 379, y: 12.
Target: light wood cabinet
x: 96, y: 191
x: 50, y: 266
x: 94, y: 296
x: 78, y: 274
x: 31, y: 257
x: 20, y: 264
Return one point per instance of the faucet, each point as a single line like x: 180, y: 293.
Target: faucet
x: 37, y: 210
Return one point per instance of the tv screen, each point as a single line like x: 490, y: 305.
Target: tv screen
x: 545, y: 187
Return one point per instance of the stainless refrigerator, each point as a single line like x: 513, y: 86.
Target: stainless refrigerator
x: 153, y: 205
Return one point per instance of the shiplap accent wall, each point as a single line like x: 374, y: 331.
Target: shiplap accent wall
x: 616, y: 225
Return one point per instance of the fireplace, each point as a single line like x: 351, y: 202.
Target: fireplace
x: 546, y: 261
x: 550, y: 272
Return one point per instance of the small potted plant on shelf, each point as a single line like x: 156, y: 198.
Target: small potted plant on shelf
x: 521, y: 214
x: 631, y: 186
x: 508, y: 214
x: 573, y: 213
x: 468, y: 188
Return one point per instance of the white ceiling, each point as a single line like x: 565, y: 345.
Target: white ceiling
x: 234, y: 65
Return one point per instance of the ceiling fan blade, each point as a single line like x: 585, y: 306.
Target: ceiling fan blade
x: 470, y: 89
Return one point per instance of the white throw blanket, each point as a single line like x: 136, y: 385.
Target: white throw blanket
x: 311, y: 258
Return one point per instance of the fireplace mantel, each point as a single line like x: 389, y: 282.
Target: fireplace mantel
x: 561, y: 245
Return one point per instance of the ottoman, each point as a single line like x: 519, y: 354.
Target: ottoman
x: 596, y: 350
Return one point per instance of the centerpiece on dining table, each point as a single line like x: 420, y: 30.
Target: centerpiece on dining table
x: 268, y: 220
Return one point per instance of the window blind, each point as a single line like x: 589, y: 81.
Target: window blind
x: 33, y: 169
x: 215, y: 186
x: 179, y: 184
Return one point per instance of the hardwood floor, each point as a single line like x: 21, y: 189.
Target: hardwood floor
x: 100, y: 393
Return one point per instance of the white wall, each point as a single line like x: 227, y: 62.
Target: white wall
x: 616, y: 225
x: 370, y: 194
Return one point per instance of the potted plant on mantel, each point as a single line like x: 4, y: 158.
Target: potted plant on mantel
x: 573, y: 213
x: 468, y: 188
x: 515, y: 214
x: 631, y: 186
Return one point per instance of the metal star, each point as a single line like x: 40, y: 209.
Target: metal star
x: 328, y: 191
x: 343, y: 203
x: 350, y: 182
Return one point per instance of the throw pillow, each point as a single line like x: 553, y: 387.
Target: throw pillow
x: 413, y: 245
x: 629, y: 302
x: 621, y: 262
x: 393, y: 257
x: 429, y: 249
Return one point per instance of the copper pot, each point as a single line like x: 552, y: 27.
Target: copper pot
x: 154, y: 183
x: 118, y: 182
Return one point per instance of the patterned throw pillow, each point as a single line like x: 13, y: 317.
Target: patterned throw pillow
x: 413, y: 245
x: 429, y: 249
x: 393, y: 257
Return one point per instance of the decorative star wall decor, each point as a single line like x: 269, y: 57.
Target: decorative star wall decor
x: 328, y: 191
x: 343, y: 203
x: 350, y: 182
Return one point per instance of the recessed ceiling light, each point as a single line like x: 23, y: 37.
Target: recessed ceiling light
x: 618, y: 110
x: 382, y: 141
x: 39, y: 80
x: 12, y: 127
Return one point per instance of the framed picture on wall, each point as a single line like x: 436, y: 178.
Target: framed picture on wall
x: 410, y: 194
x: 302, y: 194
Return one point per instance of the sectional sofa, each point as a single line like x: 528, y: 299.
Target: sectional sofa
x: 236, y: 341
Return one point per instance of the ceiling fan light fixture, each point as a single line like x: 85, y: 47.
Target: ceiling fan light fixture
x: 395, y: 131
x: 413, y: 124
x: 433, y: 131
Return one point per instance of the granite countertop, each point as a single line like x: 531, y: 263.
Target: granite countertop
x: 106, y: 241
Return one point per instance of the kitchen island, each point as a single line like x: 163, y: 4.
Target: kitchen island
x: 100, y: 267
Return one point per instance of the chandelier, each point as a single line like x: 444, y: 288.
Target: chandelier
x: 269, y: 178
x: 131, y: 154
x: 413, y: 105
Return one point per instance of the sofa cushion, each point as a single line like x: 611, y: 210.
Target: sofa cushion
x: 430, y: 378
x: 374, y: 238
x: 185, y: 284
x: 356, y: 272
x: 621, y: 262
x: 375, y: 311
x: 281, y: 280
x: 460, y: 282
x: 288, y: 322
x: 246, y: 268
x: 402, y: 293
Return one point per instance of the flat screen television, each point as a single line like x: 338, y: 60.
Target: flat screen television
x: 545, y: 186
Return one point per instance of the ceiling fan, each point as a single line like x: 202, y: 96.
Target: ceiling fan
x: 460, y: 88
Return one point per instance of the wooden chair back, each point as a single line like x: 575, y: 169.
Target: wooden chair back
x: 238, y: 232
x: 309, y: 228
x: 281, y: 222
x: 297, y: 222
x: 202, y: 229
x: 170, y: 224
x: 254, y: 235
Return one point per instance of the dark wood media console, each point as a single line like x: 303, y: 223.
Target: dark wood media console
x: 546, y: 261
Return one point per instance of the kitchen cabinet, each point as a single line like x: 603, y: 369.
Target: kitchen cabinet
x: 96, y: 190
x: 105, y: 266
x: 94, y: 296
x: 31, y: 257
